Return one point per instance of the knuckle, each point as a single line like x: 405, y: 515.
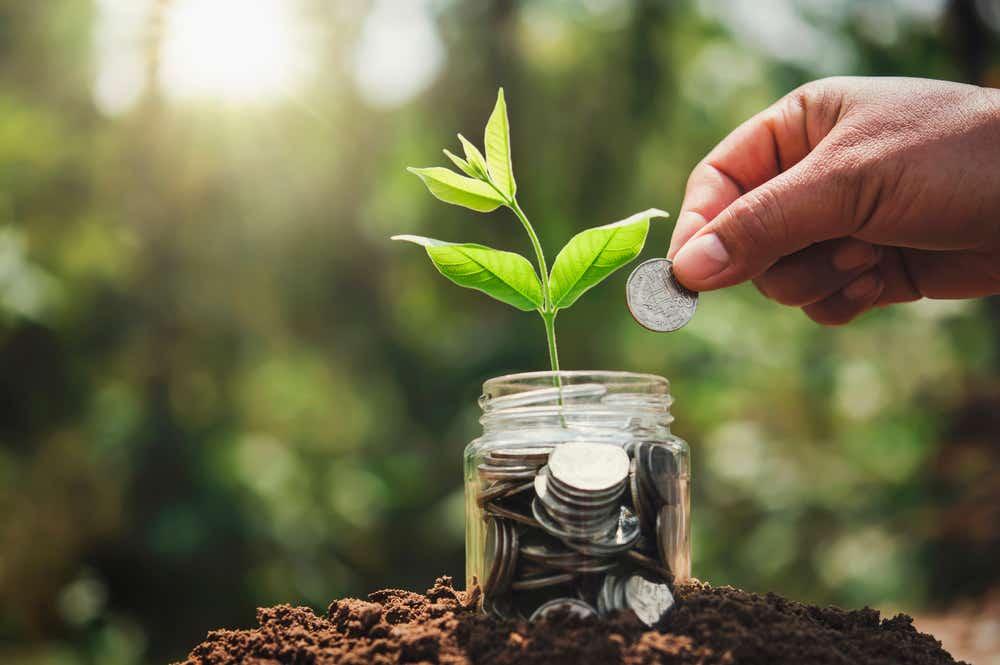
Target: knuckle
x: 696, y: 174
x: 822, y: 102
x: 796, y: 101
x: 817, y: 89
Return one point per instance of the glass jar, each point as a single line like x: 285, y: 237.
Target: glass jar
x: 577, y: 497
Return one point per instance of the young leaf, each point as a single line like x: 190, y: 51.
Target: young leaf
x: 459, y: 190
x: 592, y: 255
x: 506, y: 276
x: 497, y: 143
x: 474, y: 157
x: 461, y: 163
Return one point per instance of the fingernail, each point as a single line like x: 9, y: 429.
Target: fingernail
x: 855, y: 255
x: 702, y: 257
x: 688, y: 223
x: 862, y: 287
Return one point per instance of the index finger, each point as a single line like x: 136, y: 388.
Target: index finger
x: 764, y: 146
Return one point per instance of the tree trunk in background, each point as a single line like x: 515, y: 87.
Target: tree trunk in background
x: 965, y: 487
x: 972, y: 40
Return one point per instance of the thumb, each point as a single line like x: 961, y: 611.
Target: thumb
x: 804, y: 205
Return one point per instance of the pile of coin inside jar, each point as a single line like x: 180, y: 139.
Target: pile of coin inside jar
x: 580, y: 527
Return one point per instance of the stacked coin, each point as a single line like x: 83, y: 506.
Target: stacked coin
x: 513, y: 464
x: 657, y: 497
x: 578, y: 498
x: 581, y: 528
x: 501, y: 547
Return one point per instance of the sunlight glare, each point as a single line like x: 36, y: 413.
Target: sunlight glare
x: 230, y: 49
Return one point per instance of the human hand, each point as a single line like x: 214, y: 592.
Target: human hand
x: 851, y: 193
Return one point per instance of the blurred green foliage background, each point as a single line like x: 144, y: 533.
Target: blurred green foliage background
x: 222, y: 387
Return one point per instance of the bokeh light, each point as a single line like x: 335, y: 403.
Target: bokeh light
x: 232, y: 49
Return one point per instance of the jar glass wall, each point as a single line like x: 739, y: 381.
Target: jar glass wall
x: 577, y: 497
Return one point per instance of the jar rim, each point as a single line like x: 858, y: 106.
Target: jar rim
x: 632, y: 382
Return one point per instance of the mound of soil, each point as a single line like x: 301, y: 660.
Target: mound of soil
x: 707, y: 626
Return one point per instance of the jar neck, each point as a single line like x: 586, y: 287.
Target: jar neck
x: 610, y: 401
x: 577, y: 416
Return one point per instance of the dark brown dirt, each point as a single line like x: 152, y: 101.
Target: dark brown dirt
x: 707, y: 626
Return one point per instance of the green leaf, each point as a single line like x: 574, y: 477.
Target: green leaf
x: 475, y: 158
x: 461, y: 163
x: 506, y: 276
x: 459, y: 190
x: 497, y: 143
x: 592, y: 255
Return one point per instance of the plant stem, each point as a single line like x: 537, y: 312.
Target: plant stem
x: 548, y: 312
x: 539, y: 254
x: 550, y: 336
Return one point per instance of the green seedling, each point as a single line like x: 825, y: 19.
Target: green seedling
x: 488, y: 183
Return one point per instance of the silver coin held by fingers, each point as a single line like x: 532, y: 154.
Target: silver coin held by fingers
x: 656, y: 299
